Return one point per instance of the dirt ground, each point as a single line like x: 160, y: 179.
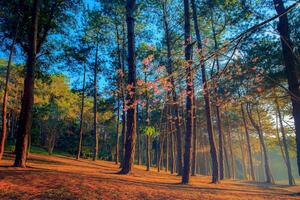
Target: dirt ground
x: 61, y: 178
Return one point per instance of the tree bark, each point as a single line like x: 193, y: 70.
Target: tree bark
x: 269, y: 178
x: 6, y: 91
x: 189, y: 96
x: 120, y: 87
x: 213, y: 151
x: 95, y: 131
x: 230, y: 149
x: 81, y: 116
x: 290, y: 62
x: 194, y: 148
x: 173, y: 91
x: 219, y: 123
x: 25, y: 119
x: 243, y: 155
x: 118, y: 136
x: 148, y: 137
x: 285, y: 146
x: 128, y: 161
x: 248, y: 144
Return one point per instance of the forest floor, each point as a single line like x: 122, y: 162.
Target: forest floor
x: 61, y: 178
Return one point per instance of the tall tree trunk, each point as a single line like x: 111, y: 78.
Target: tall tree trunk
x: 118, y: 135
x: 148, y: 137
x: 290, y: 61
x: 213, y: 151
x: 124, y: 121
x: 219, y: 123
x: 285, y: 145
x: 269, y: 178
x: 248, y: 144
x: 161, y: 139
x: 172, y: 146
x: 194, y: 151
x: 120, y: 87
x: 233, y: 168
x: 6, y: 91
x: 25, y: 119
x: 167, y: 148
x: 139, y: 135
x: 244, y: 168
x: 128, y: 161
x: 95, y: 131
x: 189, y: 96
x: 228, y: 173
x: 81, y: 116
x: 174, y: 95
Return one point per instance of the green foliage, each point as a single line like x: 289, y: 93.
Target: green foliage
x: 150, y: 130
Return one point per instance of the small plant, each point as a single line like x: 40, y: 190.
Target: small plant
x: 150, y: 130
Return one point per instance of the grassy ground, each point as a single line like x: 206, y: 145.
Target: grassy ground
x: 61, y: 178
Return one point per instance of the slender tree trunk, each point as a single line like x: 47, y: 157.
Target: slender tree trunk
x: 81, y: 116
x: 244, y: 168
x: 230, y: 149
x: 290, y: 62
x: 279, y: 139
x: 189, y: 97
x: 248, y: 144
x: 128, y: 161
x: 219, y: 123
x: 123, y: 134
x: 194, y: 152
x: 213, y: 151
x: 95, y: 131
x: 161, y: 139
x: 118, y: 136
x: 6, y: 91
x: 139, y: 135
x: 172, y: 146
x: 124, y: 121
x: 226, y: 157
x: 120, y: 87
x: 167, y: 149
x: 269, y: 178
x: 25, y: 119
x: 148, y: 137
x: 285, y: 145
x: 174, y: 95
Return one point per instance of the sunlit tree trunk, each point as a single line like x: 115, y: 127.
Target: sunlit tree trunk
x: 213, y: 151
x: 285, y: 146
x: 167, y: 149
x: 128, y: 160
x: 218, y: 114
x: 172, y: 168
x: 6, y: 91
x: 81, y: 116
x: 174, y: 95
x: 139, y: 135
x: 95, y: 130
x: 25, y: 119
x: 118, y: 136
x: 189, y: 96
x: 248, y: 144
x: 290, y: 62
x: 269, y: 178
x: 161, y: 140
x: 194, y: 148
x: 244, y: 168
x: 232, y: 164
x: 148, y: 137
